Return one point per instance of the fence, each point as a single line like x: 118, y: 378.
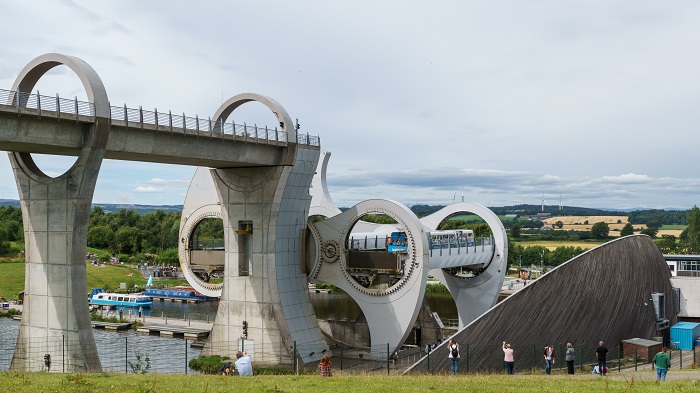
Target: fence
x: 57, y: 107
x: 530, y: 359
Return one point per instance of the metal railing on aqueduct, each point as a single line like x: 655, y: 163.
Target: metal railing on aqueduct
x: 73, y: 109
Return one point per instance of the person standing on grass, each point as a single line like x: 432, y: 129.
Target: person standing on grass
x: 508, y: 358
x: 548, y: 359
x: 570, y: 357
x: 662, y: 362
x: 453, y: 355
x: 601, y: 352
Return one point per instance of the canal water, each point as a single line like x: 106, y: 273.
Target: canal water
x: 120, y: 351
x: 116, y: 350
x: 336, y: 305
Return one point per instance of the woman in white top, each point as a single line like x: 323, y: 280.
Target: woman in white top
x: 508, y: 358
x: 453, y: 349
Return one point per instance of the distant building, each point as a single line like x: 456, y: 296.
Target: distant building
x: 685, y: 272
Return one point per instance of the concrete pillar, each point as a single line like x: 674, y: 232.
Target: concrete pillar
x: 56, y: 211
x: 265, y: 212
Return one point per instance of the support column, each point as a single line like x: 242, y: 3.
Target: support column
x: 56, y: 211
x: 265, y: 212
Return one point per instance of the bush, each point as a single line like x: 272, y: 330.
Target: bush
x: 208, y: 364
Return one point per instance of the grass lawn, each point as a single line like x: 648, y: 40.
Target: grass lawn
x: 108, y: 277
x: 121, y: 383
x: 11, y: 279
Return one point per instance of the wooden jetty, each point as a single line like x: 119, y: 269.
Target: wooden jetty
x: 175, y: 331
x: 111, y: 325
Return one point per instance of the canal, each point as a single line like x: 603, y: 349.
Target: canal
x: 121, y: 352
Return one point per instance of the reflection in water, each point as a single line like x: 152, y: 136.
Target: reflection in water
x: 339, y: 305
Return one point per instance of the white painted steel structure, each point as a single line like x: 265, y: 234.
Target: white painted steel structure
x: 391, y: 308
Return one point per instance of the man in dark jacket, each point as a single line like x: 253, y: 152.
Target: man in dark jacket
x: 601, y: 352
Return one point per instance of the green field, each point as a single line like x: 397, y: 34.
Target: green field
x: 674, y: 227
x: 552, y: 244
x: 496, y: 383
x: 108, y: 277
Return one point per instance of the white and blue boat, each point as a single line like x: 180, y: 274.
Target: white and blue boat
x: 100, y: 297
x: 183, y: 294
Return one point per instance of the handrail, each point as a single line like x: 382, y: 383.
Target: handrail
x: 51, y: 106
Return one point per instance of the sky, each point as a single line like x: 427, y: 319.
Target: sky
x: 584, y: 103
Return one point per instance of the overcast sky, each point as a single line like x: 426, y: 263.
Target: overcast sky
x: 593, y: 102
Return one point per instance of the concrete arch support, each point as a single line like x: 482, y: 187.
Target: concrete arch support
x: 56, y: 212
x: 476, y: 295
x: 278, y: 110
x: 265, y: 211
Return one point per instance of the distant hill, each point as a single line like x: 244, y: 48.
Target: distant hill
x: 529, y: 210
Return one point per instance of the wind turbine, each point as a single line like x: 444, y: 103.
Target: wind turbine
x: 543, y: 201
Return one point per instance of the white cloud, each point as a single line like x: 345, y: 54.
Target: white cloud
x: 505, y: 101
x: 147, y: 189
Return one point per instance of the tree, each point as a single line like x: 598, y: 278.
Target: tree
x: 600, y: 230
x: 668, y: 244
x: 127, y: 240
x: 100, y: 236
x: 692, y: 234
x: 651, y: 232
x: 627, y: 230
x: 558, y: 224
x: 515, y: 230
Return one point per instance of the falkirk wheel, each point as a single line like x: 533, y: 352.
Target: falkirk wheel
x: 353, y: 255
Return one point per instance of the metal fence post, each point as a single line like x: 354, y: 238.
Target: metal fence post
x: 76, y: 110
x: 296, y: 371
x: 38, y: 103
x: 681, y: 358
x: 619, y: 358
x: 126, y: 355
x: 63, y: 350
x: 427, y: 354
x: 534, y: 358
x: 467, y: 347
x: 580, y: 351
x: 635, y: 359
x: 341, y: 356
x: 186, y: 356
x: 387, y: 344
x: 58, y: 107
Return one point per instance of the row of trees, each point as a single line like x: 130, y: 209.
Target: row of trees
x: 11, y: 229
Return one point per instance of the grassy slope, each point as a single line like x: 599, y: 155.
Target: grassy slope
x: 120, y: 383
x: 108, y: 276
x: 11, y: 279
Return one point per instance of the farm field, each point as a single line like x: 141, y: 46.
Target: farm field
x: 551, y: 245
